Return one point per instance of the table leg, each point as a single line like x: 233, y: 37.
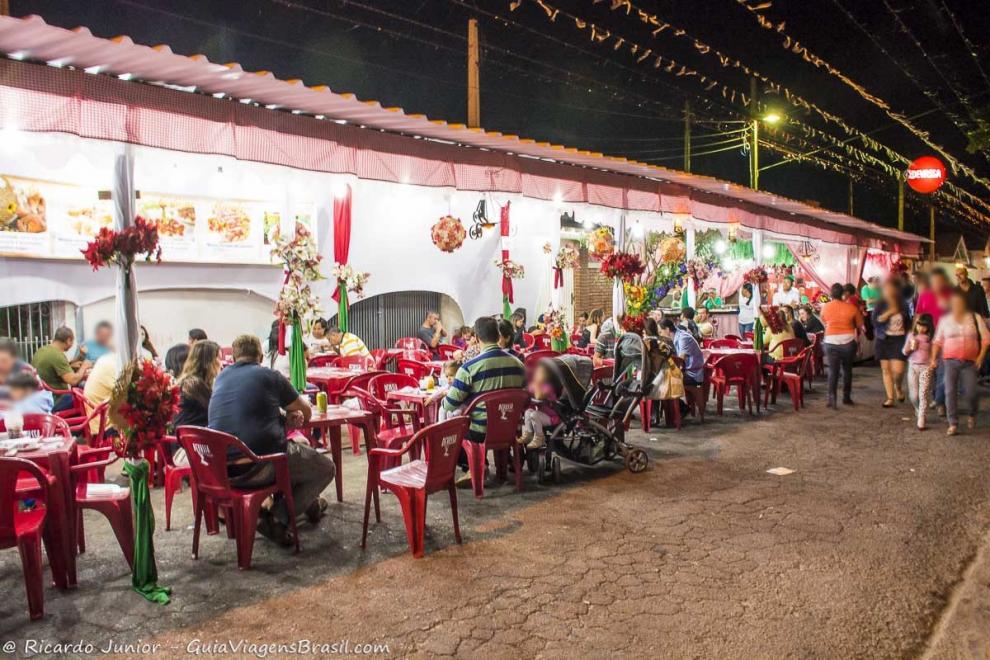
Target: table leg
x: 64, y: 532
x: 333, y: 437
x: 371, y: 441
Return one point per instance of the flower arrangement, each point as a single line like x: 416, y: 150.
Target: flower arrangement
x: 511, y: 269
x: 672, y: 250
x: 623, y: 265
x: 120, y: 247
x: 448, y: 233
x: 601, y: 242
x: 757, y: 275
x: 636, y: 299
x: 547, y: 248
x: 555, y: 323
x: 350, y: 278
x: 144, y: 401
x: 700, y: 270
x: 299, y: 257
x: 634, y: 323
x: 568, y: 256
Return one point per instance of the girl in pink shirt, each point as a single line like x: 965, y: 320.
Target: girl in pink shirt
x: 962, y: 339
x: 917, y: 348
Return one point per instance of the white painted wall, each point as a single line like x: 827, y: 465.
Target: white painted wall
x: 170, y: 314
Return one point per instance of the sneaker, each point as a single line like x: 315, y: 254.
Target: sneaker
x: 847, y: 401
x: 525, y: 438
x: 538, y: 443
x: 273, y: 530
x: 952, y: 430
x: 463, y: 481
x: 316, y: 510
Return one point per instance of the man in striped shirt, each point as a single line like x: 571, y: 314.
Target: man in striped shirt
x: 347, y: 343
x: 493, y: 369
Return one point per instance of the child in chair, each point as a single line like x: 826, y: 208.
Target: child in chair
x: 543, y: 414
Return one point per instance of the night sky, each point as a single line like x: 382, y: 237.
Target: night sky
x: 548, y: 80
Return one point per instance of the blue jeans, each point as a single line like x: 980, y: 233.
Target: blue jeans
x: 65, y: 402
x: 745, y: 327
x: 960, y: 373
x: 940, y: 383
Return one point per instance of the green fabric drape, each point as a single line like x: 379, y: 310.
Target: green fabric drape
x: 782, y: 256
x: 560, y: 345
x: 506, y: 309
x: 758, y: 335
x: 342, y: 308
x: 297, y: 358
x: 144, y: 576
x: 740, y: 251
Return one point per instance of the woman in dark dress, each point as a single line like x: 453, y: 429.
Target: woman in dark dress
x: 196, y: 384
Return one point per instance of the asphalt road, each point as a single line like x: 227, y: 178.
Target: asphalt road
x: 875, y: 546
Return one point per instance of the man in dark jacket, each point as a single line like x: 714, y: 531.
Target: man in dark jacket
x: 976, y: 299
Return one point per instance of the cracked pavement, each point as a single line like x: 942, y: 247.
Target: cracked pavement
x: 867, y: 549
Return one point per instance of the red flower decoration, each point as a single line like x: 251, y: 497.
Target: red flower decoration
x: 627, y: 267
x: 120, y: 247
x: 148, y: 404
x: 634, y: 324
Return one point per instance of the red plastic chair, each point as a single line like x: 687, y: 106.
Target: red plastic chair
x: 394, y: 425
x: 729, y: 371
x: 503, y: 411
x: 116, y: 507
x: 736, y: 337
x: 382, y: 384
x: 358, y: 381
x: 414, y: 481
x: 417, y: 356
x: 174, y: 474
x: 413, y: 368
x: 446, y: 351
x: 226, y: 354
x: 541, y: 342
x: 529, y: 340
x: 381, y: 357
x: 793, y: 380
x: 323, y: 361
x: 363, y: 362
x: 23, y: 529
x: 723, y: 343
x: 411, y: 344
x: 46, y: 426
x: 207, y: 451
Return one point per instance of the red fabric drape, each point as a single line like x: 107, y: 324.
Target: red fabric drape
x: 341, y: 230
x: 558, y: 278
x: 504, y: 231
x: 809, y: 268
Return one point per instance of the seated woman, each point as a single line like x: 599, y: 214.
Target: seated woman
x: 318, y: 340
x: 463, y: 337
x: 196, y: 384
x: 795, y: 324
x: 775, y: 330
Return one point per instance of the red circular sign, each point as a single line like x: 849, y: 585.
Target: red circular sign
x: 925, y: 174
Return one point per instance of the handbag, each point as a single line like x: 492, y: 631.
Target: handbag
x: 669, y: 382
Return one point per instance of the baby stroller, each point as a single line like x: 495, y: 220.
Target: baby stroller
x: 594, y: 415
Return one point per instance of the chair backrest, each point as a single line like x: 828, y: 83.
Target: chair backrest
x: 417, y: 355
x: 207, y: 452
x: 733, y: 367
x: 748, y: 335
x: 600, y: 373
x: 412, y: 368
x: 529, y: 340
x: 503, y: 411
x: 381, y: 357
x: 323, y: 361
x: 724, y: 343
x: 789, y: 347
x: 411, y: 344
x: 47, y: 426
x: 382, y: 384
x: 736, y: 337
x: 446, y: 351
x: 10, y: 468
x: 533, y: 358
x: 541, y: 342
x: 442, y: 445
x: 226, y: 353
x: 362, y: 380
x: 365, y: 362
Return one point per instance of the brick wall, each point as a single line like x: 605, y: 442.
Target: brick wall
x: 591, y: 288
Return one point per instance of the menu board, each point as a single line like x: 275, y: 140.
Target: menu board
x: 53, y: 220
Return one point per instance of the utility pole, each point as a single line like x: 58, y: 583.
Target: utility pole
x: 474, y: 86
x: 900, y: 203
x: 754, y: 150
x: 4, y: 7
x: 850, y: 196
x: 687, y: 136
x: 931, y: 232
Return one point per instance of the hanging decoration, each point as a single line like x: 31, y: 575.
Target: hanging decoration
x: 634, y: 324
x: 623, y: 265
x: 341, y: 251
x: 601, y: 242
x: 349, y: 279
x: 757, y: 275
x: 568, y: 257
x: 120, y: 248
x: 505, y: 230
x: 925, y: 174
x: 672, y: 250
x: 510, y: 269
x: 448, y: 233
x: 296, y: 302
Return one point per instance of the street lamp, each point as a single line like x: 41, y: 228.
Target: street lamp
x: 754, y: 172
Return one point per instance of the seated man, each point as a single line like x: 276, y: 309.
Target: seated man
x: 605, y: 344
x: 54, y: 369
x: 99, y: 386
x: 247, y: 402
x: 10, y: 362
x: 688, y: 350
x: 705, y: 326
x: 687, y: 322
x: 432, y: 332
x: 93, y: 349
x: 26, y: 395
x: 493, y: 369
x: 347, y: 343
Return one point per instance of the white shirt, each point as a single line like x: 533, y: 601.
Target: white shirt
x: 781, y: 297
x: 748, y: 310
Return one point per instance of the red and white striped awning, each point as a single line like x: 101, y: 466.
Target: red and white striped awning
x: 31, y: 38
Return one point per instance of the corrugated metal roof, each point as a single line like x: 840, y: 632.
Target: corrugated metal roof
x: 32, y: 38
